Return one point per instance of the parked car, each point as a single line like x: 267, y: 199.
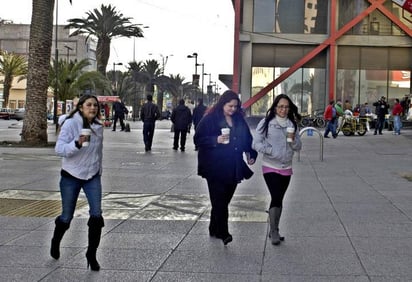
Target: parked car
x: 19, y: 114
x: 6, y: 113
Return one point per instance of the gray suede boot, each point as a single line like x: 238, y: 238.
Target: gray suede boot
x: 274, y: 218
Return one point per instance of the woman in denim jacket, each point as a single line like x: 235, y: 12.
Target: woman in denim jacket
x: 81, y: 168
x: 271, y: 140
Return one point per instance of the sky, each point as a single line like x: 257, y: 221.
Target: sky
x: 175, y: 29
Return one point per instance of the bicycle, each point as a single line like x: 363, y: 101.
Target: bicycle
x: 316, y: 120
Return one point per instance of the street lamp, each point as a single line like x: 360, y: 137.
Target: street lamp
x: 164, y: 61
x: 208, y: 86
x: 203, y: 73
x: 68, y: 50
x: 194, y: 55
x: 114, y: 75
x: 195, y: 79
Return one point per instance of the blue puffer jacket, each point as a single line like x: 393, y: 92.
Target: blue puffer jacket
x: 223, y: 162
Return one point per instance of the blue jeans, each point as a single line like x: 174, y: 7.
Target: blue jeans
x: 70, y: 189
x: 397, y: 124
x: 331, y: 127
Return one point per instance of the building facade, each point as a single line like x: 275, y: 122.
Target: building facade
x: 319, y: 50
x: 14, y: 38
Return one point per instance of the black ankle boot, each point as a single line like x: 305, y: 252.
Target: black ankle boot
x: 59, y: 231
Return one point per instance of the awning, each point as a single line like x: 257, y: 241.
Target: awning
x: 102, y: 99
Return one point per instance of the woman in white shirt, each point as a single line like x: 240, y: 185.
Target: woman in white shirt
x: 81, y: 169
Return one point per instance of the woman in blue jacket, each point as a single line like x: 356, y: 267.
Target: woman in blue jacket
x: 81, y: 169
x: 220, y: 158
x: 271, y: 140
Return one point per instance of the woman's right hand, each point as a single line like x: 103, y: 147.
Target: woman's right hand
x: 222, y: 139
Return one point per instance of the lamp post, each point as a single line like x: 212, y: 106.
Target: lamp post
x: 194, y: 55
x: 68, y: 50
x: 208, y: 86
x: 195, y: 79
x: 164, y: 61
x: 203, y: 73
x: 114, y: 75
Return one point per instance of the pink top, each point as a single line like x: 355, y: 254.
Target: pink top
x: 285, y: 172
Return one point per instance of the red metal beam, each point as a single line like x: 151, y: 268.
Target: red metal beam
x: 374, y: 5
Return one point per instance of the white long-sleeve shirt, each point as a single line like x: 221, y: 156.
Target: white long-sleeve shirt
x: 86, y: 162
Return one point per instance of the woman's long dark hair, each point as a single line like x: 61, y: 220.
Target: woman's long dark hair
x: 226, y: 97
x: 293, y: 113
x: 77, y: 109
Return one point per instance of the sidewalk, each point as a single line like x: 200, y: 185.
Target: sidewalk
x: 346, y: 218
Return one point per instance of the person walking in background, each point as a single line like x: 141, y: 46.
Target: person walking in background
x: 405, y: 102
x: 181, y: 119
x: 277, y: 147
x: 220, y: 158
x: 397, y: 111
x: 149, y: 114
x: 198, y: 113
x: 381, y: 109
x: 347, y: 106
x: 119, y: 110
x: 330, y: 116
x: 81, y: 168
x: 340, y: 113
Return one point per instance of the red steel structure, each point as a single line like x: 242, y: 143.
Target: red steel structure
x: 328, y: 43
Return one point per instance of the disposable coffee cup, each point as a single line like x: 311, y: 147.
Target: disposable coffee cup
x: 226, y: 132
x: 290, y: 134
x: 86, y: 132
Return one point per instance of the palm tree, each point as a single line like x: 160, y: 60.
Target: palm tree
x: 72, y: 79
x: 176, y: 88
x: 11, y: 65
x: 104, y: 25
x: 34, y: 130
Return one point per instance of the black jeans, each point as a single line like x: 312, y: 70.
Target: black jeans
x: 148, y: 132
x: 277, y: 185
x: 220, y: 196
x: 182, y: 133
x: 117, y: 117
x: 379, y: 124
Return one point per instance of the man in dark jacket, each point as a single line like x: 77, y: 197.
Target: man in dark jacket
x: 119, y: 110
x: 198, y: 112
x: 149, y: 114
x: 381, y: 109
x: 181, y: 118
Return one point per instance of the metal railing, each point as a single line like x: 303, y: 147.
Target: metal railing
x: 311, y: 129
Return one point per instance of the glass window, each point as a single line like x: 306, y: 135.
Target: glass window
x: 290, y: 16
x: 306, y: 87
x: 375, y: 23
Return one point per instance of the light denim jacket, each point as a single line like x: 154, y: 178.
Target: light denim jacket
x: 276, y: 151
x: 83, y: 163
